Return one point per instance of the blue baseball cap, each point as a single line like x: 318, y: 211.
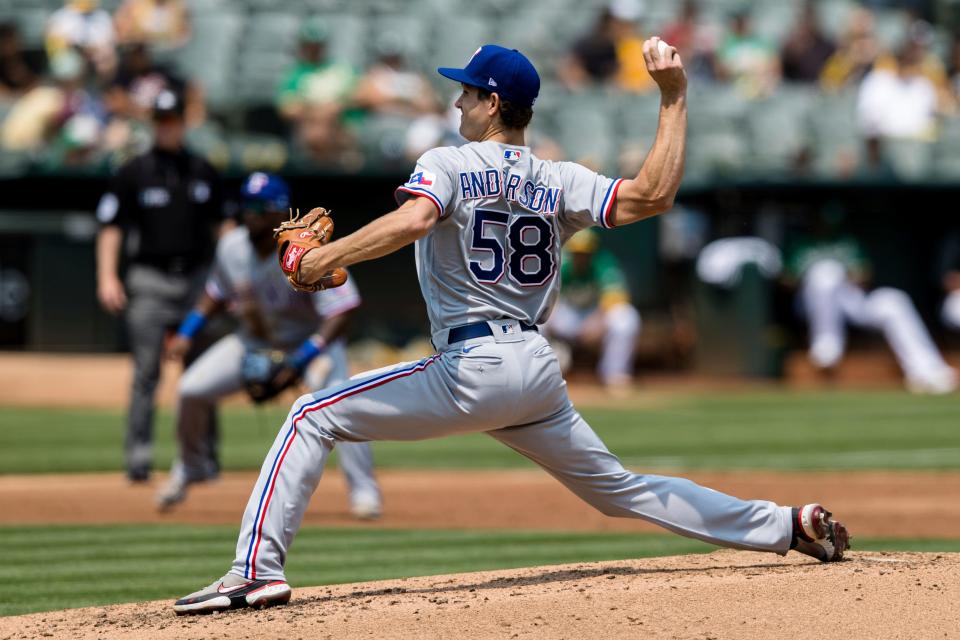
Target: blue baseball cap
x: 496, y: 69
x: 265, y: 192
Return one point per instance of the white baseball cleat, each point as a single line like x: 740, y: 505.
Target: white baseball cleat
x: 366, y: 507
x: 938, y: 383
x: 233, y: 592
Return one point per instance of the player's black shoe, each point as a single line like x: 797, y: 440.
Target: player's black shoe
x: 817, y: 534
x: 234, y: 592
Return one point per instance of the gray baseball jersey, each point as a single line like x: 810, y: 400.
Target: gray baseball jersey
x: 272, y: 315
x: 492, y: 257
x: 504, y: 216
x: 271, y: 312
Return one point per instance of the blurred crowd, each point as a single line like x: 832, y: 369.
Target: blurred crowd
x: 832, y: 89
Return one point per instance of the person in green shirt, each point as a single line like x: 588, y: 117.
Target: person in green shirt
x: 594, y: 307
x: 316, y: 91
x: 831, y: 271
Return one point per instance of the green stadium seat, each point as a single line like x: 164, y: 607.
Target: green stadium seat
x: 382, y: 139
x: 773, y: 20
x: 410, y: 30
x: 211, y: 55
x: 715, y: 107
x: 891, y: 28
x: 911, y: 160
x: 455, y: 38
x: 834, y: 16
x: 32, y: 24
x: 947, y: 150
x: 720, y: 152
x: 836, y: 135
x: 13, y: 163
x: 778, y: 127
x: 638, y: 116
x: 586, y: 130
x: 348, y: 38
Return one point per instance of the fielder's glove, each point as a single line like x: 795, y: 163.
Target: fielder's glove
x: 266, y: 373
x: 299, y: 235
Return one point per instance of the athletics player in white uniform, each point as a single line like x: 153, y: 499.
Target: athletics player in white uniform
x: 307, y: 327
x: 488, y: 220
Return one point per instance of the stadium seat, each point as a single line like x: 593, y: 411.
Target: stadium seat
x: 210, y: 56
x: 404, y: 28
x: 586, y: 129
x: 267, y: 52
x: 947, y: 150
x: 778, y: 127
x: 348, y: 38
x: 32, y: 24
x: 773, y: 20
x: 455, y: 38
x: 891, y: 28
x: 382, y: 139
x: 910, y: 159
x: 836, y: 135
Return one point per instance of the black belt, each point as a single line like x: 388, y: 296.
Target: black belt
x: 478, y: 330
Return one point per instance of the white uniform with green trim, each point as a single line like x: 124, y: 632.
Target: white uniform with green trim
x: 492, y: 258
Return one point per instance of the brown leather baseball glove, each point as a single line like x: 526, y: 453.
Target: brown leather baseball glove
x: 295, y: 238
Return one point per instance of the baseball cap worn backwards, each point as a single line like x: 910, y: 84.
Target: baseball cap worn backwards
x: 499, y: 70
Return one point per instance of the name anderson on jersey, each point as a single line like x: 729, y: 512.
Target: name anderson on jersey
x: 488, y: 183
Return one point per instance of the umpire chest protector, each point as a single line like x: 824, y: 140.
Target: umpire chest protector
x: 168, y: 203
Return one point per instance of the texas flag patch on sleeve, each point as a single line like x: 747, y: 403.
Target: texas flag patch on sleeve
x: 422, y: 178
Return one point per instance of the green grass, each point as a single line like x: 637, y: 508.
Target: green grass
x: 764, y: 430
x: 47, y: 568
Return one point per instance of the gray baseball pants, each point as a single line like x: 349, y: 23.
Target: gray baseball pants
x: 509, y: 386
x: 158, y: 302
x: 217, y: 373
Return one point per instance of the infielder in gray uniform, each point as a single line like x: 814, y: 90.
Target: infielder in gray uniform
x: 488, y: 220
x: 305, y: 329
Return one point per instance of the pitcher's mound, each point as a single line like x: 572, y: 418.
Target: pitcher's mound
x: 725, y: 594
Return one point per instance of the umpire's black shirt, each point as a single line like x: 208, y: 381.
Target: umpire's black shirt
x: 168, y: 203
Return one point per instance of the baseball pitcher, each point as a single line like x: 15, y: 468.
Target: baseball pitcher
x: 488, y: 220
x: 285, y: 336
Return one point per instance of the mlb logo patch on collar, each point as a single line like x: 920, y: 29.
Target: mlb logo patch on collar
x: 512, y: 155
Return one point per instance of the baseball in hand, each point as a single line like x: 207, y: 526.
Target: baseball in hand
x: 662, y: 48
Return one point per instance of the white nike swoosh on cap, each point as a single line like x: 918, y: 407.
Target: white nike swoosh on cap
x: 220, y: 588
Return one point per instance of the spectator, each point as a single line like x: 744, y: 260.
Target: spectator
x: 595, y: 308
x: 806, y: 49
x: 315, y: 92
x: 139, y: 81
x: 389, y: 87
x: 832, y: 272
x: 925, y: 62
x: 160, y: 211
x: 612, y: 53
x: 855, y: 55
x: 17, y: 75
x: 695, y: 41
x: 37, y: 117
x: 82, y: 25
x: 747, y: 59
x: 953, y: 66
x: 899, y: 102
x: 163, y: 23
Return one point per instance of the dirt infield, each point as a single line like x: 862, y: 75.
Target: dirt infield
x: 922, y: 504
x: 724, y: 594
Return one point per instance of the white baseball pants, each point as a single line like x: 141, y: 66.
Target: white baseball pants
x: 619, y: 325
x: 830, y: 301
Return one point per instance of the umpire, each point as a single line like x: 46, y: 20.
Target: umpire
x: 160, y: 213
